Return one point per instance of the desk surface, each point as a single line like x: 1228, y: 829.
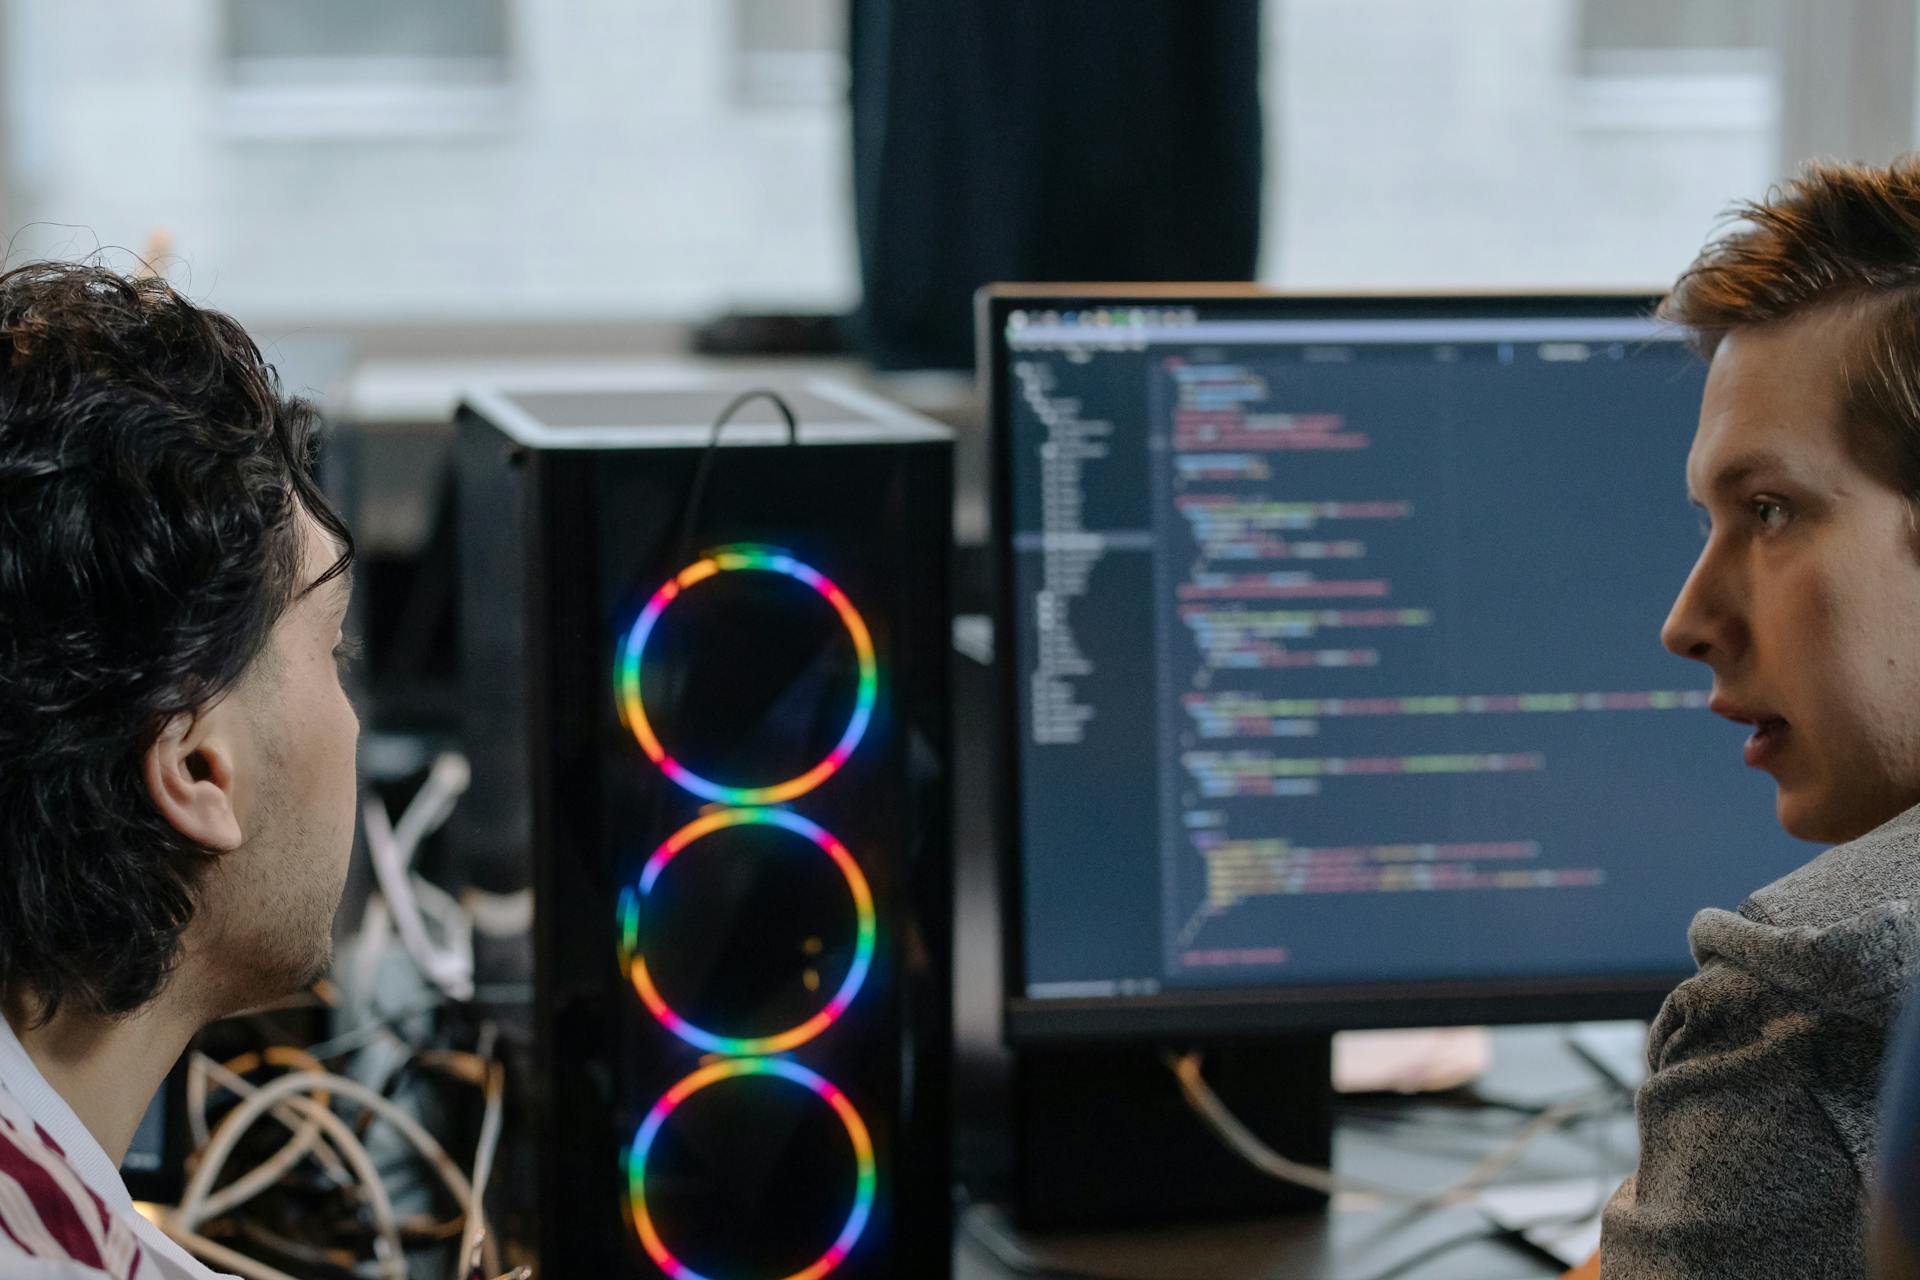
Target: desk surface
x: 1358, y: 1238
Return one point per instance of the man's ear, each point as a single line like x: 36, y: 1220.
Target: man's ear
x: 190, y: 772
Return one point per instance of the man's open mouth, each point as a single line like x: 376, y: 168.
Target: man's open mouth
x: 1769, y: 735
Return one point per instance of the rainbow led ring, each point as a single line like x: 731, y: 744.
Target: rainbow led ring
x: 781, y: 1068
x: 636, y: 964
x: 735, y: 559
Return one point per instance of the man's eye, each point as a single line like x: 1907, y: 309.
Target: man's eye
x: 1771, y: 512
x: 347, y: 652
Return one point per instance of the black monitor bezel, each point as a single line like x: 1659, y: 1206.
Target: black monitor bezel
x: 1253, y: 1011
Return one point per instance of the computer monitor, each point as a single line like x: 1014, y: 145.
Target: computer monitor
x: 1330, y: 638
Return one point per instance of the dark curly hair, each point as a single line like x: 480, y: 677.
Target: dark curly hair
x: 151, y: 476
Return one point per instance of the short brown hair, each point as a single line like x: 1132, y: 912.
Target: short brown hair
x: 1843, y: 236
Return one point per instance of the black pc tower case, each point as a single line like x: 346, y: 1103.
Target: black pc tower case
x: 706, y: 687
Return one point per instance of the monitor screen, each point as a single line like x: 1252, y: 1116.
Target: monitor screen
x: 1337, y: 693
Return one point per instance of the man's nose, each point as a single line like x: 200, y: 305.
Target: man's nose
x: 1702, y: 625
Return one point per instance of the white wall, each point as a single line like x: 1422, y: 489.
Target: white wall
x: 1412, y: 143
x: 623, y: 181
x: 1455, y: 143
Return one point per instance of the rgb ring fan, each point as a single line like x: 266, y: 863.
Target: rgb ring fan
x: 636, y: 964
x: 779, y: 1068
x: 739, y: 559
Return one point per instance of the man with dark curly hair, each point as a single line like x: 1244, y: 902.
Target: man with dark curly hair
x: 177, y: 785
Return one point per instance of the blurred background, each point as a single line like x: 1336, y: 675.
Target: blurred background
x: 390, y: 196
x: 459, y: 163
x: 373, y: 187
x: 454, y: 164
x: 398, y: 200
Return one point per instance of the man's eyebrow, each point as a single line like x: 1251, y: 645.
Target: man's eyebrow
x: 1738, y: 470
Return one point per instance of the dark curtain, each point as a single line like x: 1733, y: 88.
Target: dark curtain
x: 1046, y: 140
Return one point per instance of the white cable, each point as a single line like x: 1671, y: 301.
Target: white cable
x: 1497, y: 1163
x: 422, y: 1141
x: 219, y: 1255
x: 434, y: 802
x: 306, y: 1139
x: 306, y: 1132
x: 197, y: 1102
x: 195, y: 1202
x: 442, y: 966
x: 445, y: 967
x: 456, y: 926
x: 473, y: 1238
x: 447, y: 780
x: 380, y: 1105
x: 367, y: 1032
x: 478, y: 1068
x: 310, y: 1255
x: 219, y: 1203
x: 269, y: 1171
x: 370, y: 943
x: 499, y: 915
x: 1245, y: 1143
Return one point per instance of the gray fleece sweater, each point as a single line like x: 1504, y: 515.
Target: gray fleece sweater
x: 1757, y: 1122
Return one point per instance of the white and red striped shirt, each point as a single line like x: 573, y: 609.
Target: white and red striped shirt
x: 64, y: 1212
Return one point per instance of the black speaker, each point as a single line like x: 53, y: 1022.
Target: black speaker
x: 719, y: 674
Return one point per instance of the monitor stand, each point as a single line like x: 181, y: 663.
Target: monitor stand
x: 1103, y: 1137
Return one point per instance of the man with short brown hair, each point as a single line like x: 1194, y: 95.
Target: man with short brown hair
x: 1757, y: 1123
